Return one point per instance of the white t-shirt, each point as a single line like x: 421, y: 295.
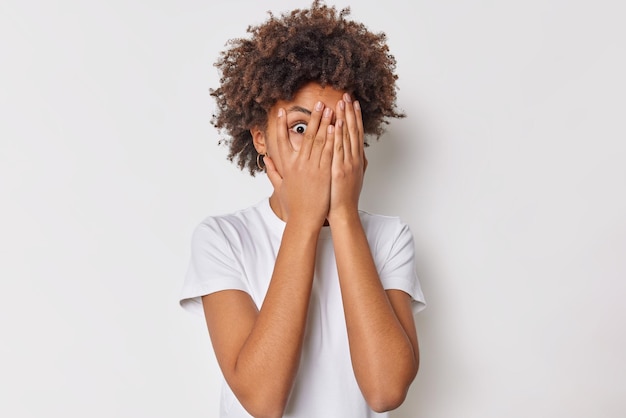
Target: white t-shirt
x: 238, y: 251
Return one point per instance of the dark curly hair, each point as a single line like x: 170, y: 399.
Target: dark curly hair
x: 284, y: 53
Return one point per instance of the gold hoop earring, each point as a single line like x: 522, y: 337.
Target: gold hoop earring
x: 259, y: 162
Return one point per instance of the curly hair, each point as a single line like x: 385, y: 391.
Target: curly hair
x: 284, y: 53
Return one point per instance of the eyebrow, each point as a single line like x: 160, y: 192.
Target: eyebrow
x: 299, y: 109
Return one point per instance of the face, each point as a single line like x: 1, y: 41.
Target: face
x: 298, y: 112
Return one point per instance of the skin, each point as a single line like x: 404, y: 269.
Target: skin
x: 316, y: 168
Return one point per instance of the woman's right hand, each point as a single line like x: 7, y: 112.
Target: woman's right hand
x: 303, y: 185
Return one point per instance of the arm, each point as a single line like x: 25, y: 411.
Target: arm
x: 259, y: 350
x: 381, y: 330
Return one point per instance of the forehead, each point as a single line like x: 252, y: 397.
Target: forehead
x: 311, y: 93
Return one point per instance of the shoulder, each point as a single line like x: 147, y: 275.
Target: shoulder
x: 376, y: 224
x: 225, y: 224
x: 239, y: 227
x: 387, y: 235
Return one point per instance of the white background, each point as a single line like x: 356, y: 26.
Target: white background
x: 510, y: 170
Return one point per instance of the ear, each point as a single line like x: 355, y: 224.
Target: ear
x: 258, y: 139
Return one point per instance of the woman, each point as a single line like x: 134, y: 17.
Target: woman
x: 309, y: 301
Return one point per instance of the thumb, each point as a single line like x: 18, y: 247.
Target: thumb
x: 272, y: 173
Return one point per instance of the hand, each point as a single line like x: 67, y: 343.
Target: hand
x: 303, y: 187
x: 349, y: 162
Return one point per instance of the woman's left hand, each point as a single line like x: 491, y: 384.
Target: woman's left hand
x: 349, y: 162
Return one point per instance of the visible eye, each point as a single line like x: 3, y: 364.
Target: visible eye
x: 299, y: 128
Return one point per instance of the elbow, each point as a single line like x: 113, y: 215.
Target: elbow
x: 388, y: 395
x: 264, y: 411
x: 260, y: 406
x: 386, y: 400
x: 261, y: 398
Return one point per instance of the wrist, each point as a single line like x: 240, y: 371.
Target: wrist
x: 344, y: 217
x: 304, y: 224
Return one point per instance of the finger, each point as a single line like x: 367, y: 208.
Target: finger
x: 339, y: 145
x: 327, y: 156
x: 364, y: 162
x: 311, y: 130
x: 282, y: 135
x: 359, y: 124
x: 341, y: 133
x: 322, y: 135
x: 345, y: 137
x: 352, y: 127
x: 273, y: 174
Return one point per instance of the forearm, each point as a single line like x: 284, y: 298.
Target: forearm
x: 383, y: 357
x: 268, y: 360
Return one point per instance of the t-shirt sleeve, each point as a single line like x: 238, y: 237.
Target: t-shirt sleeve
x: 213, y: 266
x: 398, y: 270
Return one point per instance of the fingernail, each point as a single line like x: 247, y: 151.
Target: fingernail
x: 330, y: 129
x: 327, y: 112
x: 342, y: 104
x: 357, y: 106
x: 281, y: 112
x: 347, y: 98
x: 319, y: 106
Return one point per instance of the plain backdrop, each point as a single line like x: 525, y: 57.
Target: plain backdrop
x: 510, y: 169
